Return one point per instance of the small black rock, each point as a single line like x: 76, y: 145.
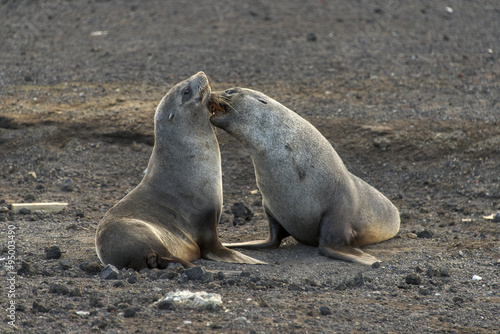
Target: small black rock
x: 37, y: 307
x: 425, y: 234
x: 92, y: 268
x: 311, y: 37
x: 60, y: 289
x: 325, y: 310
x: 166, y: 305
x: 76, y: 292
x: 130, y: 312
x: 64, y: 265
x: 26, y: 269
x: 53, y: 252
x: 240, y: 210
x: 24, y: 211
x: 413, y: 279
x: 194, y: 273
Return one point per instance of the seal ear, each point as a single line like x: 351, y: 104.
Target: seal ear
x: 171, y: 116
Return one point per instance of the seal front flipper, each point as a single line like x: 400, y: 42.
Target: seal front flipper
x: 224, y: 254
x: 347, y: 253
x: 276, y: 234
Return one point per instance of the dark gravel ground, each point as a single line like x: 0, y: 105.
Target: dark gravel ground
x: 408, y: 94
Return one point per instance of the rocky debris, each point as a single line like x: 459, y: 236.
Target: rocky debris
x: 53, y: 252
x: 166, y: 305
x: 67, y: 185
x: 60, y: 289
x: 195, y: 273
x: 192, y: 300
x: 134, y: 277
x: 91, y: 268
x: 130, y: 312
x: 425, y: 234
x: 295, y: 287
x: 437, y: 272
x: 109, y: 272
x: 76, y: 292
x: 311, y: 37
x: 241, y: 213
x: 38, y: 307
x: 26, y: 269
x: 325, y: 310
x: 65, y: 265
x: 98, y: 324
x: 25, y: 211
x: 413, y: 279
x: 356, y: 282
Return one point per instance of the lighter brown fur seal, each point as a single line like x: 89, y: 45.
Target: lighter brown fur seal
x: 173, y: 214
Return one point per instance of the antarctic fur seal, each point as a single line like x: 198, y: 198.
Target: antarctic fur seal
x: 173, y: 214
x: 307, y: 192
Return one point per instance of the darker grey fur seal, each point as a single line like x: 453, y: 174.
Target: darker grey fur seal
x: 173, y: 214
x: 307, y: 192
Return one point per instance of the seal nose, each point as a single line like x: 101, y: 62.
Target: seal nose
x: 201, y: 73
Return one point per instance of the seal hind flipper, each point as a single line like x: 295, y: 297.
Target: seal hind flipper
x: 347, y: 253
x: 276, y: 234
x: 224, y: 254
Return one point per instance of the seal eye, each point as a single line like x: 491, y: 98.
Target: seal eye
x: 186, y: 94
x: 261, y: 100
x: 230, y: 91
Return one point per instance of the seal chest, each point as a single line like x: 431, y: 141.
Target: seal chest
x: 307, y: 192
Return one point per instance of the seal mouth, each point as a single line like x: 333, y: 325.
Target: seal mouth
x: 217, y: 104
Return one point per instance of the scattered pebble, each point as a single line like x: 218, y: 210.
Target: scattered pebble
x: 476, y: 278
x: 37, y: 307
x: 59, y: 289
x: 25, y: 211
x: 195, y: 273
x: 325, y: 310
x: 425, y: 234
x: 311, y: 37
x: 134, y: 277
x: 295, y: 287
x: 53, y: 252
x: 413, y: 279
x: 109, y: 272
x: 91, y: 268
x: 166, y: 305
x: 76, y: 292
x: 26, y: 269
x: 64, y: 265
x: 130, y: 312
x: 240, y: 210
x: 118, y: 284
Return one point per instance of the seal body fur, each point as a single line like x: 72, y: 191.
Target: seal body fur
x: 173, y: 214
x: 307, y: 192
